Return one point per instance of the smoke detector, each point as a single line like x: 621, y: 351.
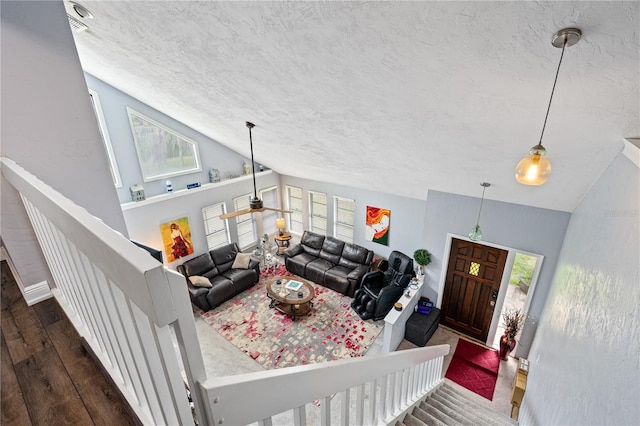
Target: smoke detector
x: 82, y: 11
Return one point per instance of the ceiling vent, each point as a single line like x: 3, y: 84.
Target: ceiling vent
x: 76, y: 25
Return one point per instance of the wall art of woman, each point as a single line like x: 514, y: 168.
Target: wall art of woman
x: 179, y: 248
x: 377, y: 225
x: 176, y: 237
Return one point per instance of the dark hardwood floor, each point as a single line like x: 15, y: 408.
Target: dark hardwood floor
x: 48, y: 378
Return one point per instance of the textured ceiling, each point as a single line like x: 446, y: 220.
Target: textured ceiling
x: 397, y: 97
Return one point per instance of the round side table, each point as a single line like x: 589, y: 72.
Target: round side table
x: 282, y: 241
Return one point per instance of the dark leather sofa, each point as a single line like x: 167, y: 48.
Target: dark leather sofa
x: 329, y: 261
x: 225, y: 281
x: 382, y: 288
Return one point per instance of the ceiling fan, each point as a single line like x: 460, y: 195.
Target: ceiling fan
x: 255, y: 203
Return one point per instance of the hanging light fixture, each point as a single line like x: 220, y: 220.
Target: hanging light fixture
x: 254, y: 202
x: 476, y: 232
x: 535, y: 168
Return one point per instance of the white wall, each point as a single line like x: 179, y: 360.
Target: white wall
x: 48, y: 126
x: 531, y: 229
x: 144, y: 218
x: 585, y: 358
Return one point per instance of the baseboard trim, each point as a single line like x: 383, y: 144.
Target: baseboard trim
x: 37, y: 293
x: 33, y: 293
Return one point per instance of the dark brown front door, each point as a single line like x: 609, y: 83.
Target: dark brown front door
x: 471, y: 288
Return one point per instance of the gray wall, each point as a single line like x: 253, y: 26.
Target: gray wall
x: 144, y: 218
x: 48, y: 126
x: 405, y: 233
x: 530, y: 229
x: 585, y: 359
x: 212, y: 153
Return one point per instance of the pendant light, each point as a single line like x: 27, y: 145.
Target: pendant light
x: 255, y: 202
x: 535, y: 168
x: 476, y: 232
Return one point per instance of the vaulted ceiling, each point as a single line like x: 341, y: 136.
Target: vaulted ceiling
x: 399, y: 97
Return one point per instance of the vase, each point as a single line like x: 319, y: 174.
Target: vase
x: 506, y: 346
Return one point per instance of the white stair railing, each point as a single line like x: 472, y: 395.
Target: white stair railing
x: 385, y: 387
x: 124, y: 304
x: 120, y: 300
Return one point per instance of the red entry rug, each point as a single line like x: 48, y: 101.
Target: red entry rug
x: 474, y: 368
x: 332, y: 330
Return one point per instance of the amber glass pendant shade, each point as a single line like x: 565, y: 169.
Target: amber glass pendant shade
x: 534, y: 168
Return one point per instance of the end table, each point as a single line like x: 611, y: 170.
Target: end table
x: 282, y: 241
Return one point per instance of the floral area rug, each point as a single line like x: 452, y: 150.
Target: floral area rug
x: 332, y: 330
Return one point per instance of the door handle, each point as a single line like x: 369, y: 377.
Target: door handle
x: 494, y: 295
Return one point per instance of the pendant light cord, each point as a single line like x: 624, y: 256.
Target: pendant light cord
x: 253, y: 166
x: 484, y: 188
x: 553, y: 90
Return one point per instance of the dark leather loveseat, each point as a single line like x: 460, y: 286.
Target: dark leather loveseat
x: 226, y: 282
x: 328, y: 261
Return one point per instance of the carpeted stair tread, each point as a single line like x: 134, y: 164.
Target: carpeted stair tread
x: 470, y: 416
x: 456, y: 397
x: 456, y: 416
x: 448, y: 406
x: 459, y: 395
x: 477, y: 415
x: 410, y: 420
x: 445, y: 415
x: 427, y: 418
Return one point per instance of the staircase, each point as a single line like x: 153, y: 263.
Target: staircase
x: 447, y: 407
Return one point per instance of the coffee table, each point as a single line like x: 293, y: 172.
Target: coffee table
x: 293, y: 302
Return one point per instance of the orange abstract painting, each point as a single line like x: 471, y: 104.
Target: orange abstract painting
x: 377, y: 225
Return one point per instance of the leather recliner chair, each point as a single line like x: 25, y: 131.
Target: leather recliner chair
x: 382, y: 288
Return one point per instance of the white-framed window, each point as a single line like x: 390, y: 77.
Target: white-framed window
x: 269, y: 197
x: 162, y: 152
x: 318, y: 212
x: 106, y: 140
x: 245, y: 223
x: 294, y: 203
x: 216, y: 229
x: 343, y: 218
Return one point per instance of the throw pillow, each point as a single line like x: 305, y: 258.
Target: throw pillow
x: 241, y: 261
x: 198, y: 281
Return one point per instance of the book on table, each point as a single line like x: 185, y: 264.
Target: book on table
x: 293, y: 285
